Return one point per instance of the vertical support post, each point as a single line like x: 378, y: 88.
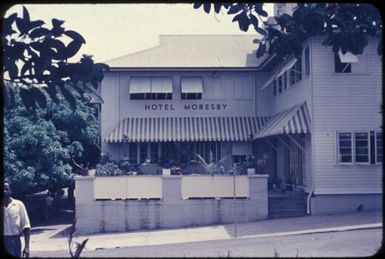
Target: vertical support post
x: 235, y: 206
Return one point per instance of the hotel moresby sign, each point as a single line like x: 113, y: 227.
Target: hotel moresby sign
x: 185, y: 107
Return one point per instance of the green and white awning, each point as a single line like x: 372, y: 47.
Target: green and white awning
x: 295, y: 120
x: 186, y: 129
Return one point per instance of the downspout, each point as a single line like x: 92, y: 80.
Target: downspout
x: 311, y: 193
x: 308, y: 201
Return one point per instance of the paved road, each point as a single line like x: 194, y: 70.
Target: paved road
x: 340, y: 244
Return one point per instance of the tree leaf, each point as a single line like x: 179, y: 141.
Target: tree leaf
x: 217, y: 7
x: 75, y: 36
x: 72, y: 48
x: 51, y: 90
x: 254, y: 21
x: 207, y: 7
x: 25, y: 14
x: 235, y: 9
x: 39, y: 97
x: 68, y: 96
x: 26, y: 98
x: 260, y: 31
x: 21, y: 26
x: 39, y: 32
x: 56, y: 22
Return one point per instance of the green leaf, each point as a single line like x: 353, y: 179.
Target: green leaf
x: 217, y: 7
x: 39, y: 32
x: 72, y: 48
x: 69, y: 97
x: 25, y: 14
x: 207, y: 7
x: 261, y: 50
x: 26, y: 98
x: 56, y: 22
x: 51, y: 90
x: 254, y: 21
x: 75, y: 36
x: 260, y: 31
x: 235, y: 9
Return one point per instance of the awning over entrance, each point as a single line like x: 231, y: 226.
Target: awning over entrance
x: 186, y: 129
x: 292, y: 121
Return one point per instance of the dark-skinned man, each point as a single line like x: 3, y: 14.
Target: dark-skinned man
x: 16, y: 223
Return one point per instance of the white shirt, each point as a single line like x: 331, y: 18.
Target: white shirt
x: 15, y: 218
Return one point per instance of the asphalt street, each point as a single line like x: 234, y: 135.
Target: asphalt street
x: 334, y: 244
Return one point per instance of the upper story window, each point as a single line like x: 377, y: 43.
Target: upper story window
x: 151, y: 88
x: 296, y: 72
x: 191, y: 88
x: 341, y: 67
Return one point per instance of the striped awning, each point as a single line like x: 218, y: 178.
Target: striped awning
x: 295, y: 120
x: 186, y: 129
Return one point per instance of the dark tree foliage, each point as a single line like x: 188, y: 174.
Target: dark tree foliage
x: 39, y: 147
x: 36, y: 61
x: 346, y: 26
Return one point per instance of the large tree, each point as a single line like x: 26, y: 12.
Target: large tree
x: 36, y: 61
x: 39, y: 147
x: 346, y: 26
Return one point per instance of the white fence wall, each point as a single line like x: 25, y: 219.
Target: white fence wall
x: 128, y: 187
x: 214, y: 186
x: 93, y: 216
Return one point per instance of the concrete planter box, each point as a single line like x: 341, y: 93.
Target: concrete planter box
x: 124, y: 203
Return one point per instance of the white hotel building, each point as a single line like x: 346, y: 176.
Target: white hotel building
x: 318, y: 117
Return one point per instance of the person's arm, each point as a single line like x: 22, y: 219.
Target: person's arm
x: 26, y: 226
x: 26, y: 245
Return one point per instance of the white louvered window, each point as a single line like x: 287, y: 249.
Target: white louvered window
x: 361, y: 141
x: 191, y: 88
x: 378, y: 147
x: 150, y: 88
x: 345, y: 147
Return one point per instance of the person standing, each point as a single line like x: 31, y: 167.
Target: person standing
x: 48, y: 206
x: 16, y: 223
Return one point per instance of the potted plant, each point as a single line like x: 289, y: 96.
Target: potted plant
x: 262, y: 164
x: 249, y: 164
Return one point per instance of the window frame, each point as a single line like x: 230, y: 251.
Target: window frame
x: 375, y: 149
x: 351, y: 148
x: 190, y: 95
x: 151, y: 95
x: 368, y: 147
x: 337, y: 61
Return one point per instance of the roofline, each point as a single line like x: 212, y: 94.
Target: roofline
x: 257, y: 68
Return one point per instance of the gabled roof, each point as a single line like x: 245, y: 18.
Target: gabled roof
x: 194, y: 51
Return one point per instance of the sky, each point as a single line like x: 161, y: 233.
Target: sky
x: 114, y: 30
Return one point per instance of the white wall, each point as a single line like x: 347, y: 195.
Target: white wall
x: 344, y: 102
x: 233, y: 91
x: 268, y: 104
